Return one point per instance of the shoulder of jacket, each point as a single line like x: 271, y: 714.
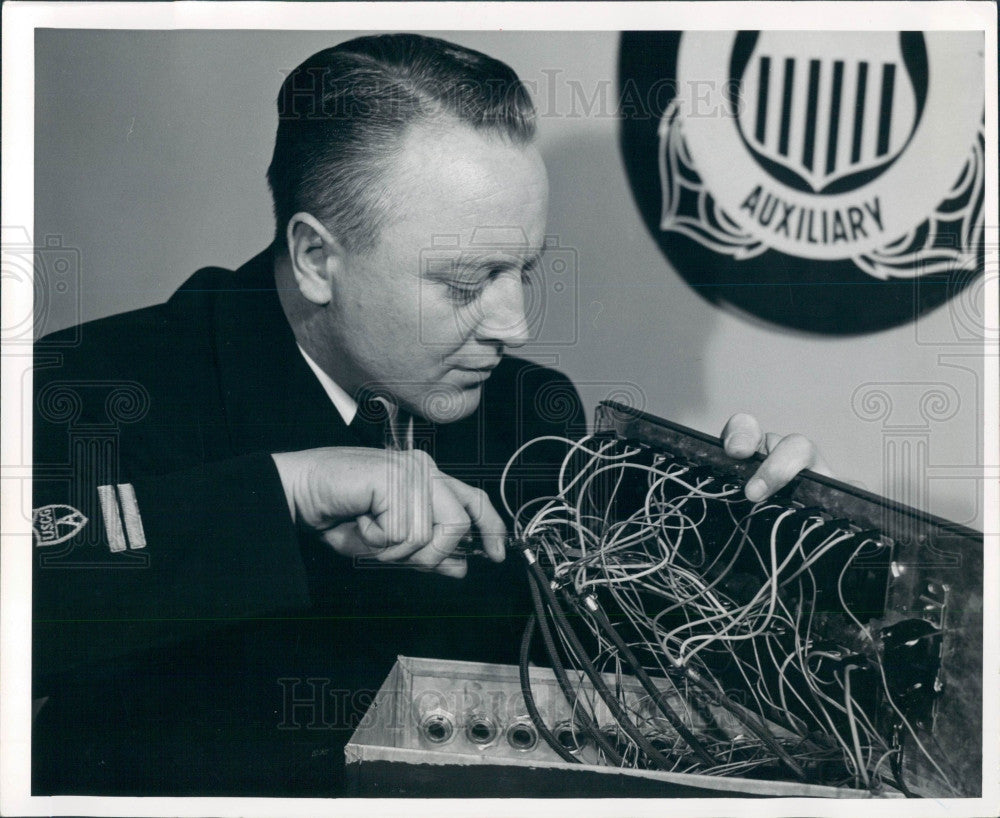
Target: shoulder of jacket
x: 205, y: 282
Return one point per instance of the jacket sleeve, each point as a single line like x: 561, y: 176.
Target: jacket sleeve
x: 160, y: 559
x: 148, y: 528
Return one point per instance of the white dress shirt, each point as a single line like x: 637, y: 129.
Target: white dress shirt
x: 346, y: 405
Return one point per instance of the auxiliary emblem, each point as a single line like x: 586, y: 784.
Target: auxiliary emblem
x: 820, y: 180
x: 54, y: 524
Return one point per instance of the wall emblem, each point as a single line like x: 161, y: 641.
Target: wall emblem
x: 825, y: 181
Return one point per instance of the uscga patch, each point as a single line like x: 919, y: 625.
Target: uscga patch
x: 54, y: 524
x: 821, y: 180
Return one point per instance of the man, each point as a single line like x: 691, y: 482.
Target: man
x: 245, y: 574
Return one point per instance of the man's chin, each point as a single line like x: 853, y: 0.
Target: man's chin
x: 447, y: 403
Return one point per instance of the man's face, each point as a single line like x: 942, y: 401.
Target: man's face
x: 426, y: 314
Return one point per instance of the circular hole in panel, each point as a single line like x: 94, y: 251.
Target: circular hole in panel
x: 437, y: 728
x: 569, y: 737
x: 522, y: 736
x: 481, y: 730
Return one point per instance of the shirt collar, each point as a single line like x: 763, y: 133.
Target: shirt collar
x: 345, y: 404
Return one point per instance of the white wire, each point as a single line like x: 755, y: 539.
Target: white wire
x: 654, y: 563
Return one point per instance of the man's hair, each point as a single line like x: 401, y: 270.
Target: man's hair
x: 342, y: 115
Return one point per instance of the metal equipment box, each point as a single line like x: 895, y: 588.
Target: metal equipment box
x: 395, y: 751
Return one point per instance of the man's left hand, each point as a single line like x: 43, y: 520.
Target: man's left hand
x: 785, y: 457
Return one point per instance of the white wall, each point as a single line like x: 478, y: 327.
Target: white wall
x: 150, y: 158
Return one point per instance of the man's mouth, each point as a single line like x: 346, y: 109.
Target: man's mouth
x: 472, y: 364
x: 474, y: 375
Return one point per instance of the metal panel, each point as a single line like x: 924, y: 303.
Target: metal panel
x: 389, y: 755
x: 935, y: 576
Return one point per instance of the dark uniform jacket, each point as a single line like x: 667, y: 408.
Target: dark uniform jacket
x: 187, y: 638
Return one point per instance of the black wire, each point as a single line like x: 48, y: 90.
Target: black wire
x: 759, y: 730
x: 529, y: 698
x: 654, y: 692
x: 619, y: 714
x: 580, y: 714
x: 744, y: 716
x: 896, y: 762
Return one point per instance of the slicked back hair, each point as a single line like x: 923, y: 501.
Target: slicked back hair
x: 342, y: 115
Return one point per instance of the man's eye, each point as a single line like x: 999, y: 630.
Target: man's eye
x: 531, y: 272
x: 465, y: 292
x: 462, y: 293
x: 528, y: 273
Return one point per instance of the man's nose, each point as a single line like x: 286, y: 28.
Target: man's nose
x: 503, y: 311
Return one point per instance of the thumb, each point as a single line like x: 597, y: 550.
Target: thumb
x: 348, y: 540
x: 371, y: 533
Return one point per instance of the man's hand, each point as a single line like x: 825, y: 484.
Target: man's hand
x: 785, y: 456
x: 394, y: 506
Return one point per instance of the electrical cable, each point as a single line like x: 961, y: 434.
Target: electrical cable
x: 535, y: 570
x: 529, y: 698
x: 562, y: 677
x: 719, y: 698
x: 896, y: 762
x: 656, y: 695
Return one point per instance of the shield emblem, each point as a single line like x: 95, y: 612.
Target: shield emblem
x: 826, y: 112
x: 54, y: 524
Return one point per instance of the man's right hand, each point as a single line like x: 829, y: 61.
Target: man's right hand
x: 394, y: 506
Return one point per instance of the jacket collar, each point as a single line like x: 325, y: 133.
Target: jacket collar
x: 273, y: 401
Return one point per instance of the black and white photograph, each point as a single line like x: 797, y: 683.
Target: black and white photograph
x: 452, y: 407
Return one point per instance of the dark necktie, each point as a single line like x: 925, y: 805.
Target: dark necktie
x: 371, y: 421
x: 380, y: 423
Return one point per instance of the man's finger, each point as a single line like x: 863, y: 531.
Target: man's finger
x: 407, y: 518
x: 792, y: 454
x: 484, y: 517
x: 741, y: 435
x: 770, y: 442
x: 347, y: 541
x: 447, y: 522
x: 371, y: 533
x: 451, y: 522
x: 395, y: 521
x: 428, y: 553
x: 421, y: 500
x: 455, y: 567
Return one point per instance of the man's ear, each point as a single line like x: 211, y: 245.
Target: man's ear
x: 316, y: 257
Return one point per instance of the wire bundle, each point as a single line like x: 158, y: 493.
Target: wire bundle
x: 736, y: 625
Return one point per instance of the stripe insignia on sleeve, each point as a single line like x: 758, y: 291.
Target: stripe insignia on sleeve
x: 54, y: 524
x: 112, y: 520
x: 117, y: 507
x: 130, y: 513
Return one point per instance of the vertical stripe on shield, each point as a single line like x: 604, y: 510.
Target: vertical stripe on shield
x: 786, y: 106
x: 763, y: 87
x: 812, y: 103
x: 859, y: 112
x: 112, y: 522
x: 834, y: 129
x: 885, y: 115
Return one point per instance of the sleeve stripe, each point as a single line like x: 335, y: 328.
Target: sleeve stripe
x: 112, y: 522
x: 130, y: 513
